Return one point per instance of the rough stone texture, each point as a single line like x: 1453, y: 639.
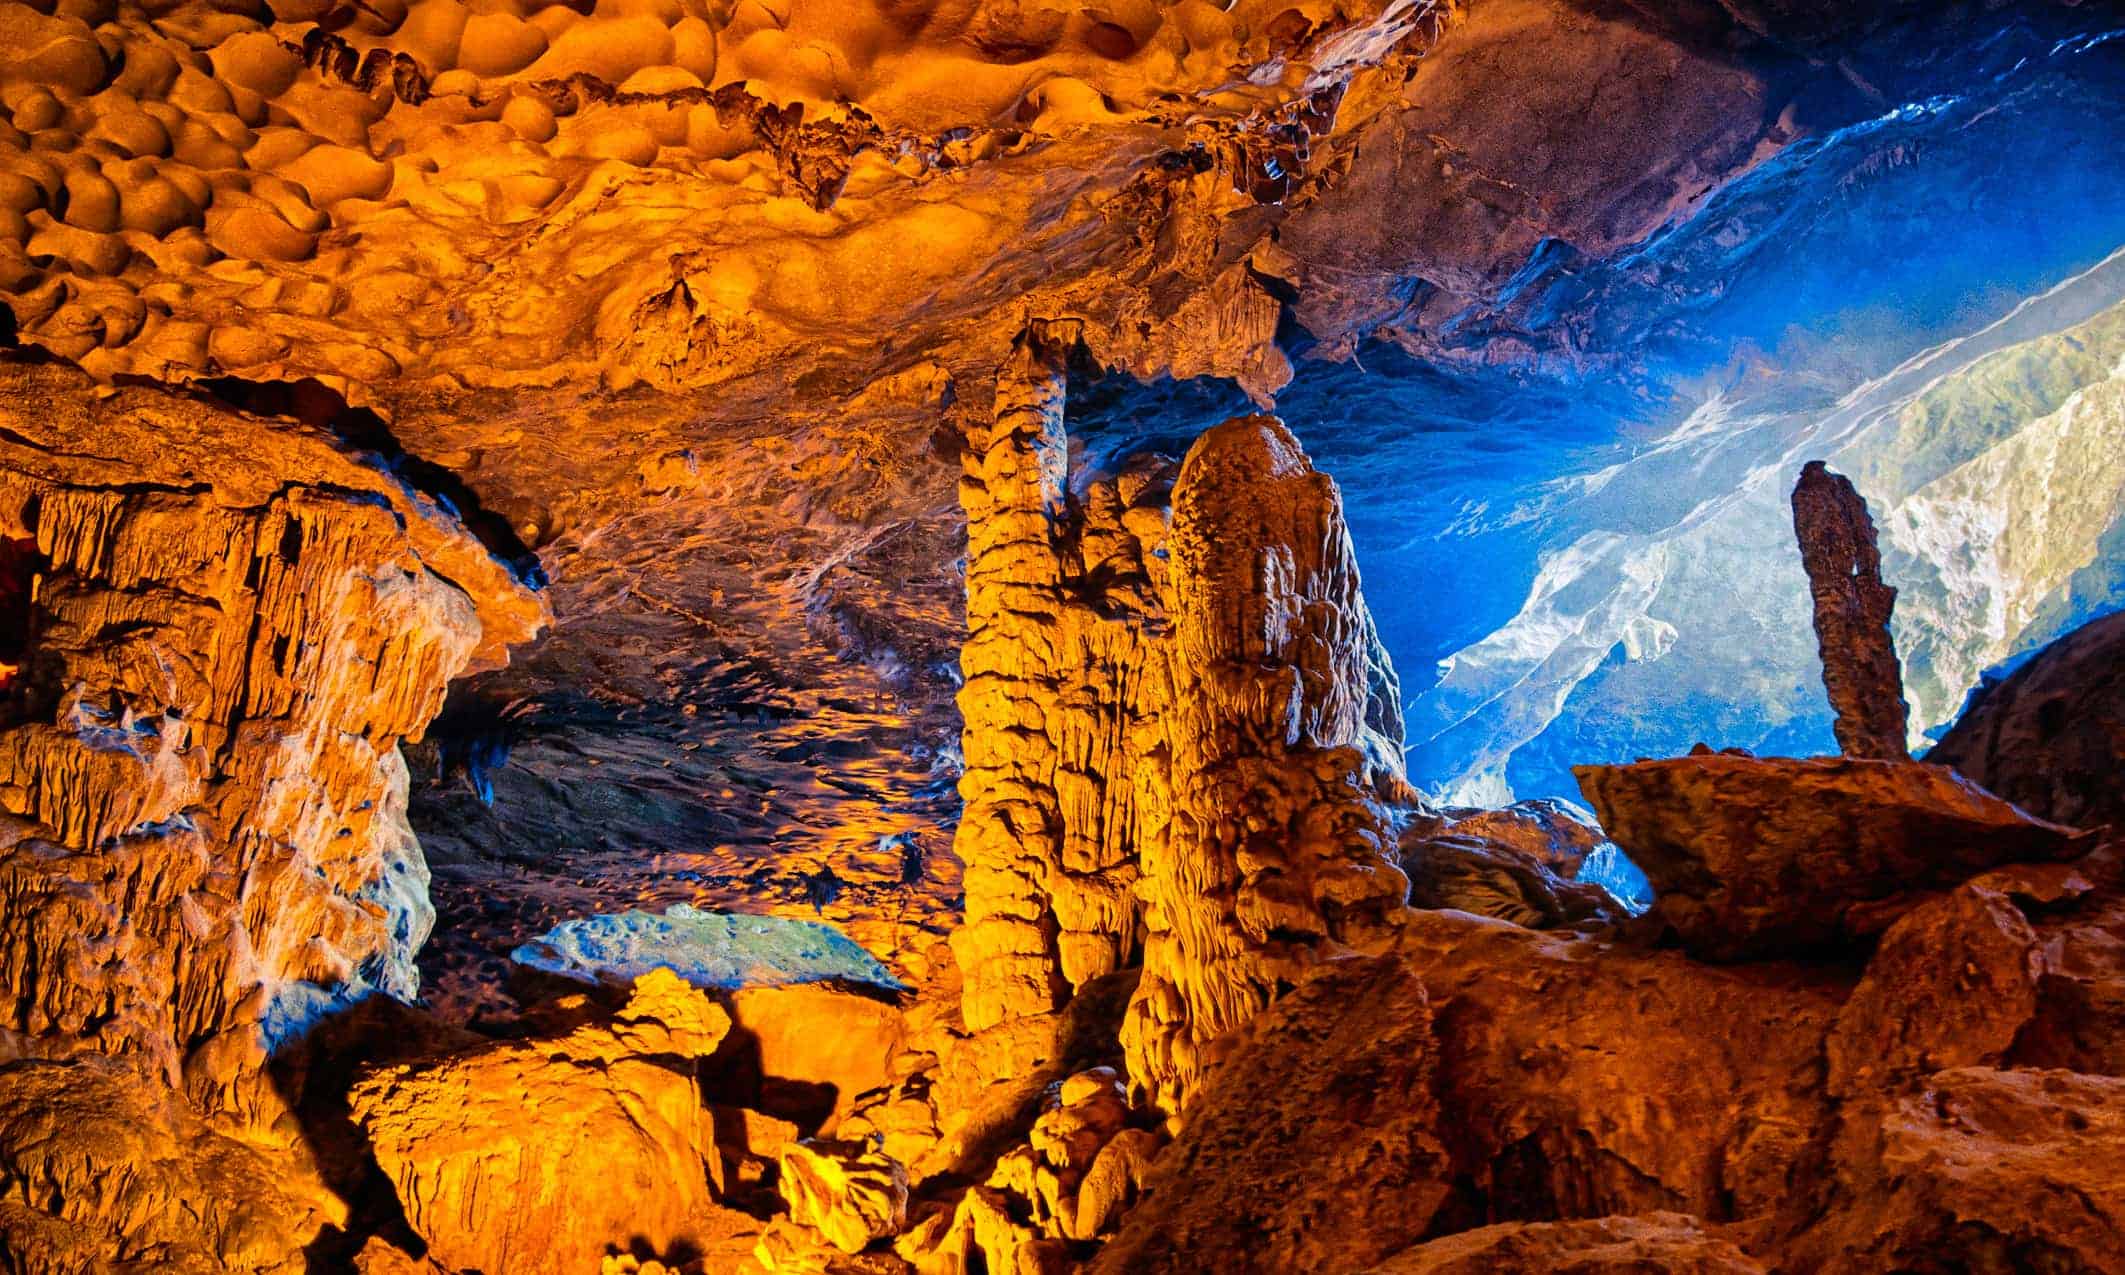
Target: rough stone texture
x: 1279, y: 842
x: 203, y: 837
x: 1556, y: 833
x: 1762, y: 856
x: 1852, y: 610
x: 538, y: 1156
x: 1654, y: 1244
x: 1314, y: 1145
x: 847, y: 1193
x: 1577, y: 1078
x: 1951, y: 984
x: 104, y: 1168
x: 2051, y: 737
x: 1175, y: 731
x: 1979, y: 1169
x: 1489, y: 878
x: 1048, y: 726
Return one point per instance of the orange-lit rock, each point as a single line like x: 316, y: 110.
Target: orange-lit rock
x: 541, y: 1156
x: 1178, y: 724
x: 105, y: 1168
x: 848, y: 1194
x: 1651, y: 1244
x: 205, y: 843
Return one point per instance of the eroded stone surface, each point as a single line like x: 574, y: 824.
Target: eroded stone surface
x: 486, y: 1148
x: 1761, y: 856
x: 1651, y: 1244
x: 205, y: 808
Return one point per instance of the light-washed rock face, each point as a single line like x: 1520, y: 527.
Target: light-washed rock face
x: 723, y: 950
x: 1178, y: 729
x: 203, y: 837
x: 847, y: 1193
x: 103, y: 1167
x: 540, y: 1156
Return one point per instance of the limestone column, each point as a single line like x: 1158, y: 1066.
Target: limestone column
x: 1010, y: 827
x: 1278, y: 848
x: 1852, y: 610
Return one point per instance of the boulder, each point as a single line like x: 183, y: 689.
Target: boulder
x: 1952, y: 984
x: 1472, y: 874
x: 2051, y: 737
x: 541, y: 1156
x: 1752, y: 857
x: 1556, y: 833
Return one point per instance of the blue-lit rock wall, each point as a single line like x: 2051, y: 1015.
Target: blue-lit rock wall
x: 1571, y: 507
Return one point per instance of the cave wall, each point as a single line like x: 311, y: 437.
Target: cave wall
x: 234, y: 625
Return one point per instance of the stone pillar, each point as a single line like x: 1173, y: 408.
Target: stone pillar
x: 1279, y: 847
x: 1010, y: 827
x: 203, y: 841
x: 1852, y: 610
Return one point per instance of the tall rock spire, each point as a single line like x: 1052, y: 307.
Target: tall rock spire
x: 1852, y: 609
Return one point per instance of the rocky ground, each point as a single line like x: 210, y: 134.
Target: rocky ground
x: 471, y: 467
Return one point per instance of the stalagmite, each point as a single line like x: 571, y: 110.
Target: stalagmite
x: 1852, y: 608
x: 1279, y: 845
x: 1194, y: 723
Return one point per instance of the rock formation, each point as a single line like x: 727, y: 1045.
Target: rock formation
x: 1174, y: 728
x: 205, y: 831
x: 1754, y: 857
x: 542, y: 1156
x: 103, y: 1166
x: 1852, y: 610
x: 2050, y: 737
x: 848, y: 1195
x: 329, y: 332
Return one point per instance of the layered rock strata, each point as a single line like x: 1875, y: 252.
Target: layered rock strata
x: 1852, y: 610
x: 1179, y: 725
x: 203, y: 841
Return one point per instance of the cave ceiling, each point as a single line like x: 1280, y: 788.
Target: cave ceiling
x: 682, y: 306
